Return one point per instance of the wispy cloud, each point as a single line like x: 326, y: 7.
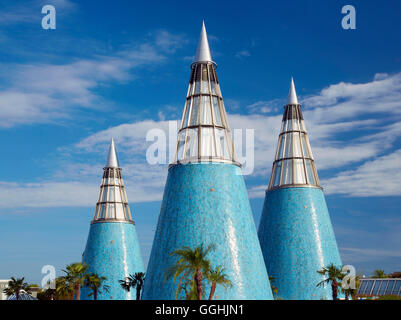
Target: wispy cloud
x: 379, y: 177
x: 339, y: 140
x: 169, y: 42
x: 358, y: 255
x: 38, y: 93
x: 347, y: 100
x: 48, y: 194
x: 31, y: 11
x: 265, y: 106
x: 341, y: 119
x: 242, y: 54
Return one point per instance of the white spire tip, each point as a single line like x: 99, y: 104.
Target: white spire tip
x: 292, y: 95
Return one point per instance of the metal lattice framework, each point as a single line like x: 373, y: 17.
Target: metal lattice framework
x: 204, y: 134
x: 294, y: 164
x: 380, y: 287
x: 112, y: 204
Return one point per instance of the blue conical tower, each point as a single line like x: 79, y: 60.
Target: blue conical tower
x: 295, y: 231
x: 205, y: 199
x: 112, y: 249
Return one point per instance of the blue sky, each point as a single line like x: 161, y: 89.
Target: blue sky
x: 122, y: 69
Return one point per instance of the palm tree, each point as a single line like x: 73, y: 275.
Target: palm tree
x: 125, y: 284
x: 217, y: 276
x: 192, y: 294
x: 76, y: 273
x: 351, y: 291
x: 47, y: 294
x: 135, y: 281
x: 191, y: 262
x: 64, y: 289
x: 379, y: 273
x: 15, y: 286
x: 94, y: 282
x: 174, y: 272
x: 333, y: 274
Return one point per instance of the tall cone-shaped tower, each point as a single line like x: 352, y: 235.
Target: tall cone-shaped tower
x: 295, y: 231
x: 205, y: 199
x: 112, y: 249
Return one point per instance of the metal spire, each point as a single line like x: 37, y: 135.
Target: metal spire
x: 204, y: 135
x: 112, y: 204
x: 294, y: 165
x: 112, y: 160
x: 292, y: 95
x: 203, y: 51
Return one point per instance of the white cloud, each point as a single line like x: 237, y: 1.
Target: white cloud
x: 338, y: 140
x: 379, y: 177
x: 347, y: 124
x: 48, y: 194
x: 257, y: 191
x: 358, y: 255
x: 132, y: 136
x: 38, y: 93
x: 347, y: 100
x: 338, y: 156
x: 242, y: 54
x: 264, y: 106
x: 30, y: 11
x: 169, y: 42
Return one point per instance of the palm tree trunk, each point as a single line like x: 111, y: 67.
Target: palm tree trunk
x: 138, y: 292
x: 179, y: 285
x: 334, y: 288
x: 346, y: 295
x: 17, y: 294
x: 77, y: 291
x: 95, y: 294
x: 198, y: 280
x: 212, y: 290
x: 186, y: 294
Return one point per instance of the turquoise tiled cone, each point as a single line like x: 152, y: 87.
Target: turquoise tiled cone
x: 297, y: 240
x: 207, y: 203
x: 112, y: 251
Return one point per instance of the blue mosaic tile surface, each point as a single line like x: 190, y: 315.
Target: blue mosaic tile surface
x: 208, y: 203
x: 112, y: 250
x: 297, y: 239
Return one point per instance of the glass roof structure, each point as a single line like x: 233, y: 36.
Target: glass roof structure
x: 112, y: 204
x: 204, y: 134
x: 22, y: 296
x: 380, y: 287
x: 293, y: 165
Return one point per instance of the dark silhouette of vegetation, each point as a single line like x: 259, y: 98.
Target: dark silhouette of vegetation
x: 350, y: 290
x: 95, y: 282
x: 75, y: 275
x: 378, y: 274
x: 134, y: 281
x: 15, y: 286
x: 333, y: 275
